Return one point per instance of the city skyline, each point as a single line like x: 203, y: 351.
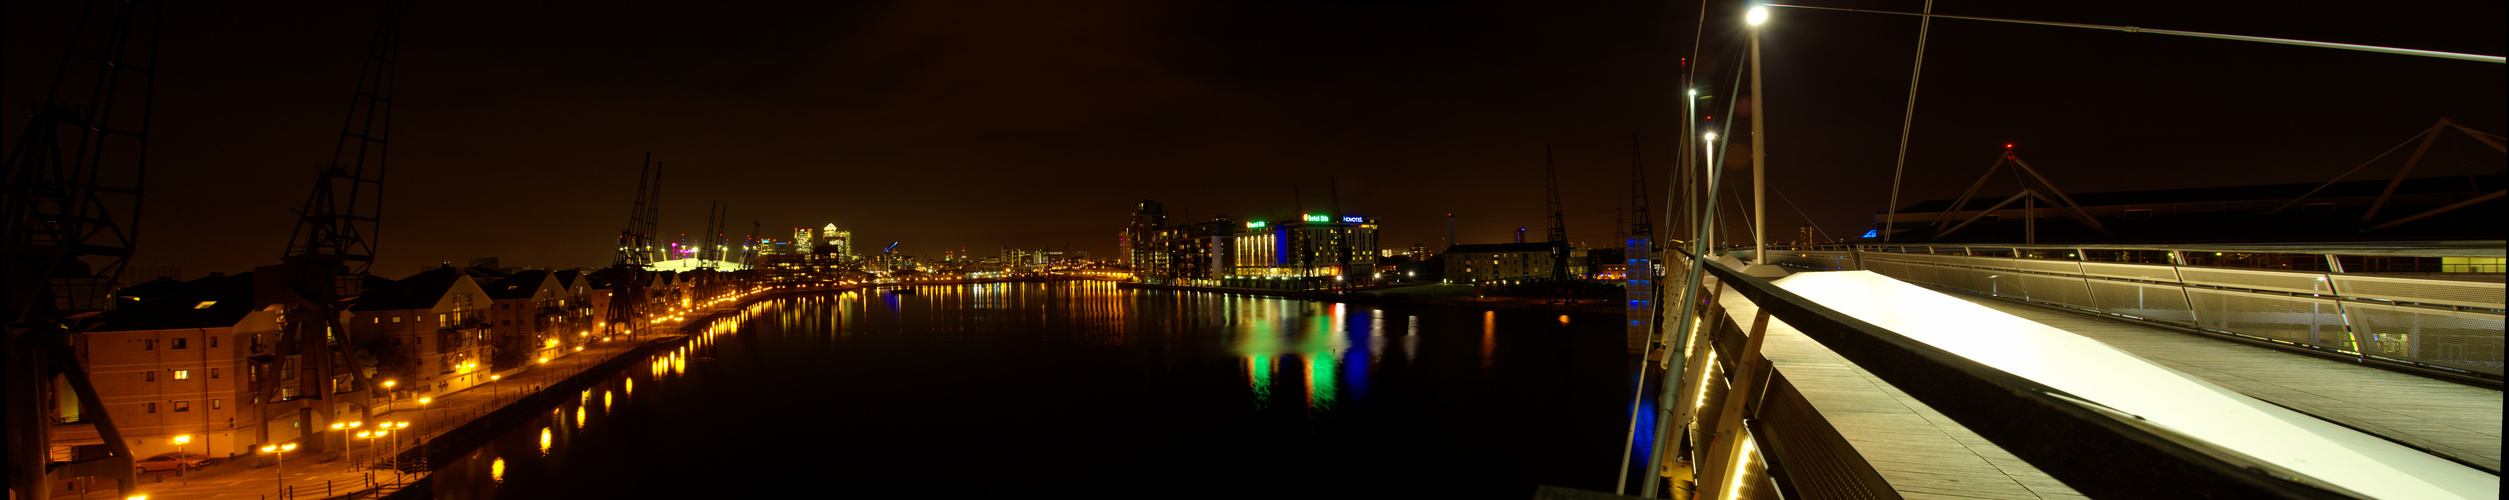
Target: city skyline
x: 1026, y: 126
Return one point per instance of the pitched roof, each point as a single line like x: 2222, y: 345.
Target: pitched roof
x: 1500, y: 248
x: 212, y: 302
x: 521, y: 285
x: 154, y: 288
x: 419, y: 291
x: 569, y: 278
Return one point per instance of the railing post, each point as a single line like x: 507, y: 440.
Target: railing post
x: 1729, y: 418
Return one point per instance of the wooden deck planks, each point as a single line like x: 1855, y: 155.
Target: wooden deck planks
x: 2456, y: 420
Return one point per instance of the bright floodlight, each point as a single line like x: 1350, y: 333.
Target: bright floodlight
x: 1711, y: 136
x: 1694, y: 92
x: 1758, y: 15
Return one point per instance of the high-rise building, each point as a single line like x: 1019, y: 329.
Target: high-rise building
x: 837, y: 241
x: 803, y: 237
x: 1315, y: 245
x: 1198, y: 251
x: 1132, y: 243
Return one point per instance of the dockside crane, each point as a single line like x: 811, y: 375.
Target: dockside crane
x: 326, y: 261
x: 629, y: 271
x: 72, y: 209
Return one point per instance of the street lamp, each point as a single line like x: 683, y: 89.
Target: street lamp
x: 422, y: 409
x: 387, y: 395
x: 278, y: 454
x: 1759, y: 145
x: 347, y: 445
x: 179, y: 441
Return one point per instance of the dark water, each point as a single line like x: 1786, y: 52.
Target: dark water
x: 1080, y: 389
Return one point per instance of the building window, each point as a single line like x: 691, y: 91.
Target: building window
x: 216, y: 404
x: 182, y: 406
x: 395, y: 320
x: 149, y: 376
x: 148, y: 407
x: 213, y: 373
x: 182, y: 343
x: 213, y: 342
x: 148, y: 344
x: 182, y: 374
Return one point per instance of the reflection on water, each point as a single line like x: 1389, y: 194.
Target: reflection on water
x: 1072, y: 387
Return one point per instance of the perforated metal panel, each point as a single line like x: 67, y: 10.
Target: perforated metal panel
x: 1991, y: 263
x: 2145, y: 272
x: 2423, y: 290
x: 2294, y: 319
x: 2459, y: 339
x: 2049, y: 266
x: 2167, y: 303
x: 2064, y: 290
x: 2285, y: 281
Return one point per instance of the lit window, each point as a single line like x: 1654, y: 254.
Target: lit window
x: 205, y: 304
x: 217, y: 403
x: 182, y: 374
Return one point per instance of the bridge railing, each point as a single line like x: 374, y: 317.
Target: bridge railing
x: 2449, y: 321
x: 1753, y: 425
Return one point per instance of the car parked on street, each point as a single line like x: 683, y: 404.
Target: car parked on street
x: 168, y: 461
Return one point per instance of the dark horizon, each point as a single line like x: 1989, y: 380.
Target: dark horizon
x: 1029, y: 126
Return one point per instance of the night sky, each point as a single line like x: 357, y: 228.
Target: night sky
x: 1038, y: 124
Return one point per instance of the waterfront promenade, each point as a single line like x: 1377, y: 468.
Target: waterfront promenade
x: 349, y: 473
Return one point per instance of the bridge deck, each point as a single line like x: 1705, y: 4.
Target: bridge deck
x: 1921, y: 452
x: 2451, y: 419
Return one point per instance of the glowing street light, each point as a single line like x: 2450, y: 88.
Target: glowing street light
x: 179, y: 441
x: 278, y: 454
x: 1759, y: 145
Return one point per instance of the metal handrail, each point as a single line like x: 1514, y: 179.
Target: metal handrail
x: 2096, y: 450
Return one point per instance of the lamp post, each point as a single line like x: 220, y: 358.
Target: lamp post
x: 279, y: 455
x: 1759, y: 145
x: 387, y: 395
x: 347, y: 446
x: 179, y: 441
x: 422, y: 410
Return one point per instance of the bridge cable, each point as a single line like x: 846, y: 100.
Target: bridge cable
x: 2196, y: 34
x: 1907, y: 121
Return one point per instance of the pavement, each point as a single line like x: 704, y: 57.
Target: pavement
x: 332, y: 474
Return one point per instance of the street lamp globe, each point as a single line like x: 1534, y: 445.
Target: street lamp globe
x: 1756, y: 16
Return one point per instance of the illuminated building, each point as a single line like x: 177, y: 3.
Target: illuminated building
x: 802, y: 238
x: 1132, y: 244
x: 1313, y: 246
x: 440, y: 317
x: 837, y: 242
x: 1498, y: 261
x: 1199, y: 251
x: 178, y: 363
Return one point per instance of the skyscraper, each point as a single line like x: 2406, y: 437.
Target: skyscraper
x: 803, y: 237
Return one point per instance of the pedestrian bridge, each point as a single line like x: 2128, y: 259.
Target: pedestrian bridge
x: 1919, y: 372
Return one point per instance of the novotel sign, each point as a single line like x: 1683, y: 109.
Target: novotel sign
x: 1354, y: 219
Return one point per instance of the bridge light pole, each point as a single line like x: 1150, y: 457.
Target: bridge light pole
x: 1759, y: 145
